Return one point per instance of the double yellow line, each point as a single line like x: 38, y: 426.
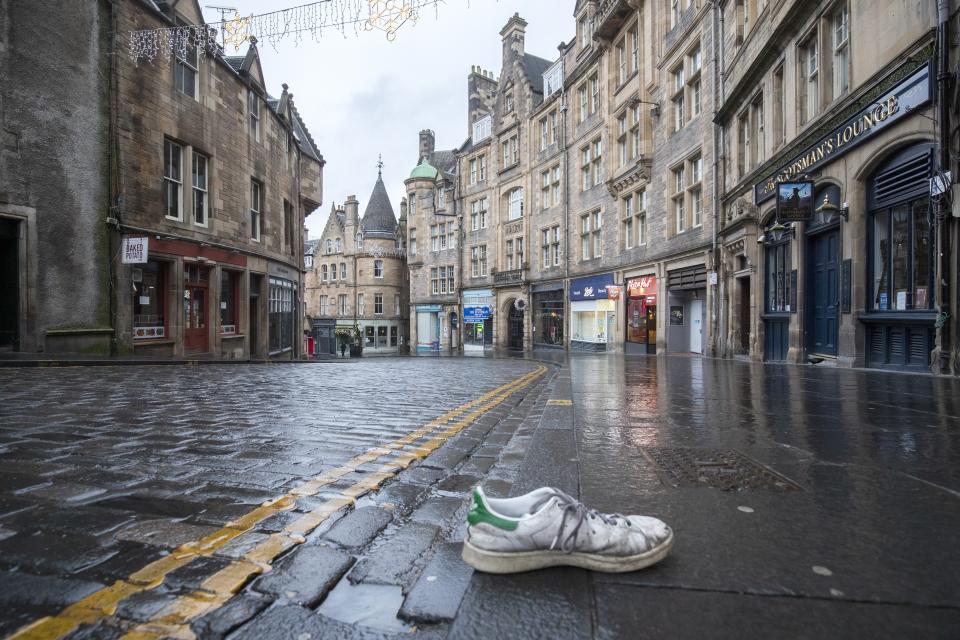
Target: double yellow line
x: 173, y: 620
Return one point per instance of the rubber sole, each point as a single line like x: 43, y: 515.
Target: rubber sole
x: 520, y: 561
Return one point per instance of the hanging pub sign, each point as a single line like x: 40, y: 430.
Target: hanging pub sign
x: 794, y: 201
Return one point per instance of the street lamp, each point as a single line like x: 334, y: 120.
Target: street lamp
x: 827, y: 210
x: 655, y: 111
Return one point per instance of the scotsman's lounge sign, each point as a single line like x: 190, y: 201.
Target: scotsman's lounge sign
x: 893, y: 105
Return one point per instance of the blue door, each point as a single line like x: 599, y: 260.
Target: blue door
x: 823, y: 293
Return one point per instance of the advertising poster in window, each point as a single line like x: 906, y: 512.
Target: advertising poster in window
x: 676, y: 316
x: 794, y: 201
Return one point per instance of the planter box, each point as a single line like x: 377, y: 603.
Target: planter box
x: 356, y: 350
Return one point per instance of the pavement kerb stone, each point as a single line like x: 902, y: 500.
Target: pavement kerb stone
x: 219, y: 588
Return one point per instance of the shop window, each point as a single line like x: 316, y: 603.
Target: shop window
x: 548, y: 318
x: 280, y: 315
x: 778, y: 269
x: 370, y: 337
x: 229, y: 316
x: 149, y: 300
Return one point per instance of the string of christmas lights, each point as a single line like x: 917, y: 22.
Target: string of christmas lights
x: 307, y: 20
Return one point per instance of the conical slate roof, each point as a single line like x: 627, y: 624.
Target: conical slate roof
x: 379, y: 218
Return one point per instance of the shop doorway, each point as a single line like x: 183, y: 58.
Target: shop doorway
x: 515, y: 328
x: 696, y: 326
x: 195, y: 287
x: 641, y: 329
x: 9, y: 285
x: 743, y: 319
x: 254, y: 322
x: 823, y: 299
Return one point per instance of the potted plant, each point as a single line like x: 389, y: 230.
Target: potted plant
x: 351, y: 336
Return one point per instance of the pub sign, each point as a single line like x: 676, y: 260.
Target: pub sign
x: 794, y: 201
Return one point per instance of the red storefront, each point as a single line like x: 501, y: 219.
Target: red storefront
x: 641, y: 315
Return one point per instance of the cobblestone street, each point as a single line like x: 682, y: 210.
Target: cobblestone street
x: 213, y: 501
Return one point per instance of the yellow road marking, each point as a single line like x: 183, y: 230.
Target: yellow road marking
x: 560, y: 403
x: 172, y: 621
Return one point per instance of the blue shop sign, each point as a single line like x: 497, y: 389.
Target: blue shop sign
x: 592, y: 288
x: 476, y: 314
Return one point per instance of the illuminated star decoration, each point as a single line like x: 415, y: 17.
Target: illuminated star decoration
x: 390, y: 15
x: 236, y: 31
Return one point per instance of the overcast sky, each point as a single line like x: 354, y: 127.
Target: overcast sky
x: 361, y: 95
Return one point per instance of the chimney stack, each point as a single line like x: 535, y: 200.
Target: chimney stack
x: 427, y: 144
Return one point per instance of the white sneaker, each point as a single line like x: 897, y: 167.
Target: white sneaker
x: 546, y: 528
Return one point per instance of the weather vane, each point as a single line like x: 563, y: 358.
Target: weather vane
x: 380, y: 165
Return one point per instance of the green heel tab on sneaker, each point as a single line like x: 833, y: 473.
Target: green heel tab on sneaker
x: 480, y: 513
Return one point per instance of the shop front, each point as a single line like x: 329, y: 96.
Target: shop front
x: 428, y: 327
x: 478, y: 305
x: 324, y: 337
x: 641, y: 303
x: 686, y: 301
x: 380, y: 336
x: 592, y: 312
x: 548, y: 315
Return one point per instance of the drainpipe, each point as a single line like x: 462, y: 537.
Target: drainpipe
x: 568, y: 315
x: 719, y: 317
x: 944, y: 225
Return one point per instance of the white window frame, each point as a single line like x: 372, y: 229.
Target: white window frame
x: 173, y: 181
x: 515, y: 204
x: 256, y: 210
x: 253, y: 109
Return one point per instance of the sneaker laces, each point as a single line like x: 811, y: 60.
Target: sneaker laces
x: 576, y: 512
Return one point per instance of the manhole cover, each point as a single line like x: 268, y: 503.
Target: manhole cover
x: 727, y: 470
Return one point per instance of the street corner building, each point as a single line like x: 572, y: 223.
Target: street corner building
x: 621, y: 196
x: 157, y: 208
x: 852, y: 99
x: 356, y: 278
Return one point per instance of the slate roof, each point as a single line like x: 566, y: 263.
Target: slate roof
x: 235, y: 62
x: 534, y: 66
x: 445, y: 161
x: 378, y: 218
x: 310, y: 247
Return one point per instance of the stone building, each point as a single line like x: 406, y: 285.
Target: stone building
x: 188, y: 160
x: 585, y: 188
x: 433, y: 249
x: 358, y: 276
x: 835, y: 103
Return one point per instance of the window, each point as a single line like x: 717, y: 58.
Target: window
x: 280, y: 315
x: 623, y: 146
x: 451, y: 235
x: 185, y: 76
x: 323, y: 273
x: 378, y: 268
x: 473, y: 171
x: 633, y: 211
x: 901, y: 258
x: 544, y: 134
x: 635, y: 132
x: 149, y: 300
x: 413, y: 242
x: 324, y: 305
x: 434, y: 238
x: 778, y: 269
x: 359, y: 240
x: 511, y: 151
x: 508, y: 103
x: 678, y: 99
x: 361, y: 307
x: 553, y: 79
x: 809, y: 79
x: 478, y: 214
x: 594, y: 94
x: 478, y: 261
x: 342, y: 304
x: 779, y: 121
x: 679, y: 215
x: 584, y: 28
x: 743, y: 143
x: 590, y: 163
x: 590, y: 241
x: 329, y: 246
x: 441, y: 198
x: 172, y: 179
x: 253, y: 108
x: 288, y: 232
x: 450, y: 282
x: 338, y: 246
x: 378, y: 304
x: 515, y: 204
x: 550, y: 246
x: 343, y: 270
x: 634, y: 38
x: 841, y: 50
x: 333, y: 272
x: 621, y: 60
x: 554, y: 126
x: 442, y: 280
x: 229, y: 283
x: 482, y: 171
x: 757, y: 137
x: 396, y: 304
x: 481, y: 129
x: 256, y: 209
x: 518, y: 244
x: 550, y: 187
x: 413, y: 204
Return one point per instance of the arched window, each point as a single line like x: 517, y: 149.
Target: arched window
x: 515, y: 204
x: 360, y: 240
x: 323, y: 273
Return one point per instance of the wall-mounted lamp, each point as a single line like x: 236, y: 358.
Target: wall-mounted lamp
x: 828, y: 210
x: 778, y: 232
x: 654, y: 111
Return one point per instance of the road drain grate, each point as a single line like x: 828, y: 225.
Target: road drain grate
x: 727, y: 470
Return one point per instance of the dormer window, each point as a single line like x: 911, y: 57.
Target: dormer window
x: 253, y: 108
x: 553, y: 79
x: 585, y: 27
x: 481, y: 129
x: 185, y: 76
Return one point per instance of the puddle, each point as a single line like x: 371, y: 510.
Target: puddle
x: 370, y: 605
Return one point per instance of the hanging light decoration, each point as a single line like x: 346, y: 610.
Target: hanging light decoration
x: 295, y: 23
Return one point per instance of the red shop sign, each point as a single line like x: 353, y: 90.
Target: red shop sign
x: 639, y: 287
